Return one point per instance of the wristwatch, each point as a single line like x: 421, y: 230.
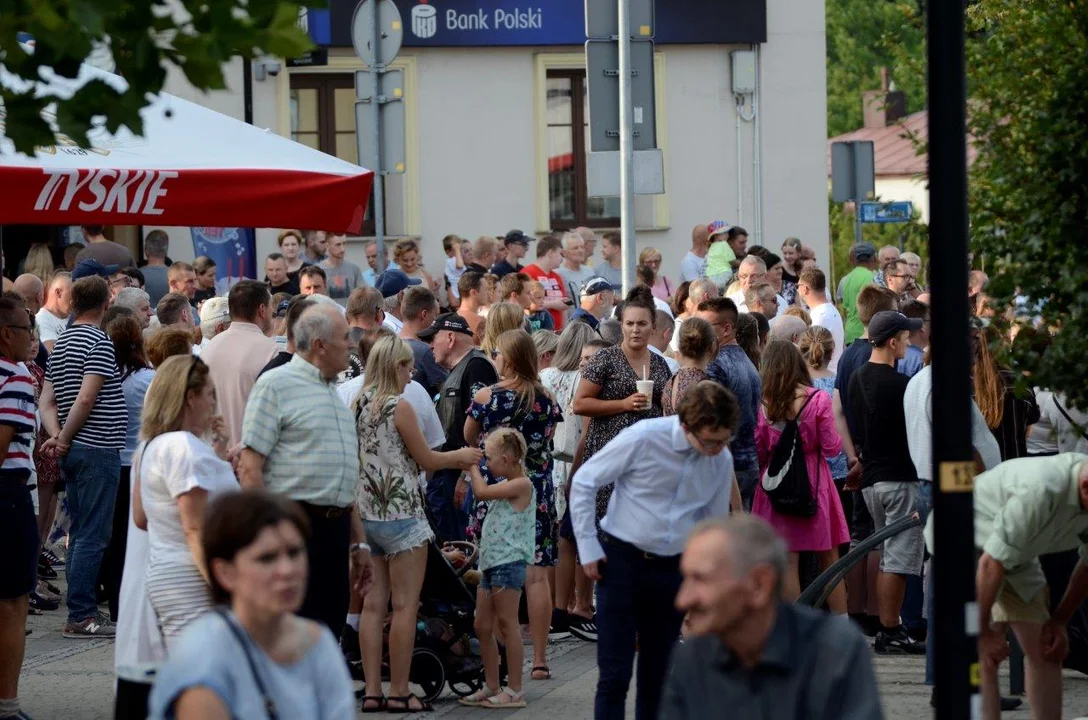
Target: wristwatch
x: 356, y: 547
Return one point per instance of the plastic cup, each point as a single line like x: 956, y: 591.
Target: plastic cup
x: 645, y: 387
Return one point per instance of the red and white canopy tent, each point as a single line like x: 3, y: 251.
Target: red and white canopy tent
x: 191, y: 167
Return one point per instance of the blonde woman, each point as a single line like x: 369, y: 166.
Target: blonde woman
x: 407, y: 257
x: 291, y: 244
x: 177, y: 471
x: 663, y: 288
x: 503, y: 316
x: 520, y: 402
x: 39, y: 262
x: 392, y: 453
x: 547, y: 343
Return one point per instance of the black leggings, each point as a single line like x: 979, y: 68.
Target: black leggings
x: 113, y: 561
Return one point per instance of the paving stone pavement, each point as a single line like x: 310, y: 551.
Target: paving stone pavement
x: 73, y: 680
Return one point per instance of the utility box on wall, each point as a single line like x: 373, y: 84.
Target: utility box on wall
x: 744, y: 72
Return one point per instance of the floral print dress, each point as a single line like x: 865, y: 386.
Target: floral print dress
x: 388, y: 486
x: 610, y: 370
x: 537, y: 426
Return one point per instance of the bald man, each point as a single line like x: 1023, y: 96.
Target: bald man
x: 787, y: 327
x: 33, y: 291
x: 693, y: 266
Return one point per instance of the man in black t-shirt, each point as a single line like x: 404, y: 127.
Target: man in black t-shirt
x: 470, y: 370
x: 517, y: 244
x: 889, y: 480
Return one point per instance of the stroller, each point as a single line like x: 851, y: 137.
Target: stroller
x: 446, y: 652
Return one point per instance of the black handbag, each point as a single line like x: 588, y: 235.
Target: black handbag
x: 787, y: 483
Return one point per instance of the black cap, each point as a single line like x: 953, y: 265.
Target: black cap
x: 889, y: 323
x: 864, y: 251
x: 447, y: 321
x: 517, y: 237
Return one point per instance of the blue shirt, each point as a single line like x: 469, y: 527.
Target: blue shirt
x: 583, y: 315
x: 135, y: 388
x: 209, y: 655
x: 664, y: 487
x: 912, y: 361
x: 734, y: 370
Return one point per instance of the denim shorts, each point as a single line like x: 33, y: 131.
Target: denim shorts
x: 508, y: 576
x: 392, y: 537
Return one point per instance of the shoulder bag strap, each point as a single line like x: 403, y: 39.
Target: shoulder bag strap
x: 269, y: 703
x: 1070, y: 420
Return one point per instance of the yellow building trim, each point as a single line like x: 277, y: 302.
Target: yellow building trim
x: 543, y: 62
x: 343, y: 61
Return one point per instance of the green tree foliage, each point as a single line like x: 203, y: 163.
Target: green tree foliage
x: 864, y: 36
x: 1029, y: 185
x: 145, y: 37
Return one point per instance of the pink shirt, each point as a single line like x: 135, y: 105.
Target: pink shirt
x: 663, y: 288
x: 235, y: 357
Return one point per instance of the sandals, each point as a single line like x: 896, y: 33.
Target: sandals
x: 379, y: 708
x: 515, y: 700
x: 406, y: 701
x: 543, y: 670
x: 480, y: 697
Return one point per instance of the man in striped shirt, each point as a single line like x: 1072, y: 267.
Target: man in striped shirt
x: 299, y: 440
x: 18, y: 528
x: 83, y: 411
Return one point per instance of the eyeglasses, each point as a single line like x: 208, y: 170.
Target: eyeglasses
x: 710, y: 447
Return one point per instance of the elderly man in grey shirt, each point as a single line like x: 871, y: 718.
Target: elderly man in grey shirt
x: 751, y: 652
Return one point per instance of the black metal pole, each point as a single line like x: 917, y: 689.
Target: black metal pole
x: 247, y: 90
x: 956, y: 655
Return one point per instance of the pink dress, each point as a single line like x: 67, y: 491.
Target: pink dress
x: 827, y: 528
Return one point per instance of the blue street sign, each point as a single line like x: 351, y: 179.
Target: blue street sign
x: 497, y: 23
x: 892, y: 212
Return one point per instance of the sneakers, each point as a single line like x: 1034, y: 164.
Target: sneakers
x: 897, y: 642
x: 53, y: 558
x: 98, y: 626
x: 40, y: 603
x: 560, y: 625
x: 45, y: 568
x: 584, y: 628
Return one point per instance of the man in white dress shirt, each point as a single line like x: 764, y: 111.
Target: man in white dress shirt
x: 669, y: 473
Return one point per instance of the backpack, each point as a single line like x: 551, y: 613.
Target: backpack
x: 786, y: 482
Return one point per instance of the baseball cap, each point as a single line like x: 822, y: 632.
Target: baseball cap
x: 595, y: 285
x: 89, y: 267
x: 718, y: 227
x: 214, y: 310
x: 391, y: 282
x: 447, y: 321
x: 517, y: 237
x: 889, y: 323
x: 864, y: 251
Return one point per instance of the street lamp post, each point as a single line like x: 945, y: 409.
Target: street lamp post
x: 956, y: 618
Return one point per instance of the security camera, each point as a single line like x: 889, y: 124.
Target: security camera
x: 273, y: 67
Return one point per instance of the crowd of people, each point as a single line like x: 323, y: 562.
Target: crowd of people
x: 261, y: 471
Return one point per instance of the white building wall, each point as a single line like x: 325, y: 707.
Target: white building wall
x: 477, y: 168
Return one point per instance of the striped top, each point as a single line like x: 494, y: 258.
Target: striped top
x: 307, y: 434
x: 86, y: 350
x: 17, y: 411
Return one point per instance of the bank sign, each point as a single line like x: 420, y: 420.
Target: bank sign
x: 483, y: 23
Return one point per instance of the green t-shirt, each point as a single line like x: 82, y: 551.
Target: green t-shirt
x: 852, y: 284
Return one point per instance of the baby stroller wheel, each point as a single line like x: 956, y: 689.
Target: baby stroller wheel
x: 428, y: 673
x: 465, y: 686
